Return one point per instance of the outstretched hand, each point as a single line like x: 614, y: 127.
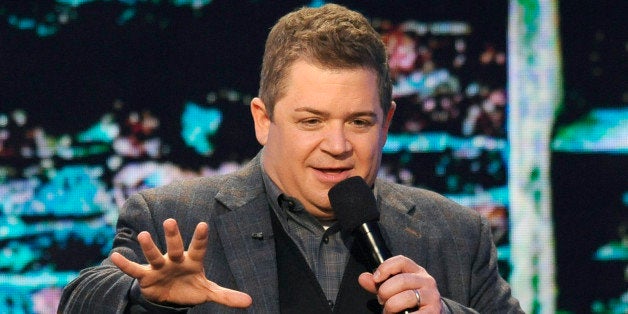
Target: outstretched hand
x: 178, y: 276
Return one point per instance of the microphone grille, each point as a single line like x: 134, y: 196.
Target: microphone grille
x: 353, y: 203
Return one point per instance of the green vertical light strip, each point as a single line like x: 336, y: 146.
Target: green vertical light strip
x: 535, y: 94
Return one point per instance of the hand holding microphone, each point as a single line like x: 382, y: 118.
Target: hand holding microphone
x: 399, y: 283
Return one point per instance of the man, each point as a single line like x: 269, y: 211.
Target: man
x: 264, y: 239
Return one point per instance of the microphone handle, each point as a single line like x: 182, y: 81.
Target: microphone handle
x: 372, y: 236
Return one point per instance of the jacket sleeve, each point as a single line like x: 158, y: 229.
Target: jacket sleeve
x: 105, y: 288
x: 489, y: 292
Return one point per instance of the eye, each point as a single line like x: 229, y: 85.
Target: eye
x: 311, y: 123
x: 362, y: 123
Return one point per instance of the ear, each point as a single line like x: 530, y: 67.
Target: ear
x: 389, y: 115
x: 387, y: 122
x: 260, y: 119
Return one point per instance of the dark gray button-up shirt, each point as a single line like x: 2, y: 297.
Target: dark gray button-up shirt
x: 324, y: 248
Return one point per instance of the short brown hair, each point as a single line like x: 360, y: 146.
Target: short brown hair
x: 331, y: 36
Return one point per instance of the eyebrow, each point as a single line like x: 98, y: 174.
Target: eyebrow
x: 326, y: 114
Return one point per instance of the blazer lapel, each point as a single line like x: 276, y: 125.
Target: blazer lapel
x: 247, y: 237
x: 403, y: 225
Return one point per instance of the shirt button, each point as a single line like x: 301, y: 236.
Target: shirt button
x: 291, y: 206
x: 325, y: 239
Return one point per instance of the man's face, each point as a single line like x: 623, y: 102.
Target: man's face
x: 329, y: 126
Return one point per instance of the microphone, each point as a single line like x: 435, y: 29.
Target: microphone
x: 355, y: 207
x: 356, y: 210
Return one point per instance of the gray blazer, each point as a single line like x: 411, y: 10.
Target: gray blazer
x: 452, y: 242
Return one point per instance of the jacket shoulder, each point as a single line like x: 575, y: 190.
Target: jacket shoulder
x: 415, y: 199
x: 240, y: 185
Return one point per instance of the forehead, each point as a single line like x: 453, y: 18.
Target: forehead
x: 317, y: 84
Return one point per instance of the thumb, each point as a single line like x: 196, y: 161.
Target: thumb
x: 366, y: 281
x: 229, y: 297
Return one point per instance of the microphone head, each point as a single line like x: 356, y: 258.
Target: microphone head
x: 353, y: 203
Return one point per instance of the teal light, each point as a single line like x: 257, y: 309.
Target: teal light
x: 198, y: 125
x: 317, y: 3
x: 603, y: 130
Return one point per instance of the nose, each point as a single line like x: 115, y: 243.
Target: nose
x: 335, y: 141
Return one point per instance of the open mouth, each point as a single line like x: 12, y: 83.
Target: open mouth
x: 332, y: 171
x: 332, y: 174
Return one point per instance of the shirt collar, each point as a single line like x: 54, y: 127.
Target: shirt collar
x: 272, y: 194
x: 281, y: 203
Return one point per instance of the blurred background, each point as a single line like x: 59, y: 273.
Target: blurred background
x: 516, y: 109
